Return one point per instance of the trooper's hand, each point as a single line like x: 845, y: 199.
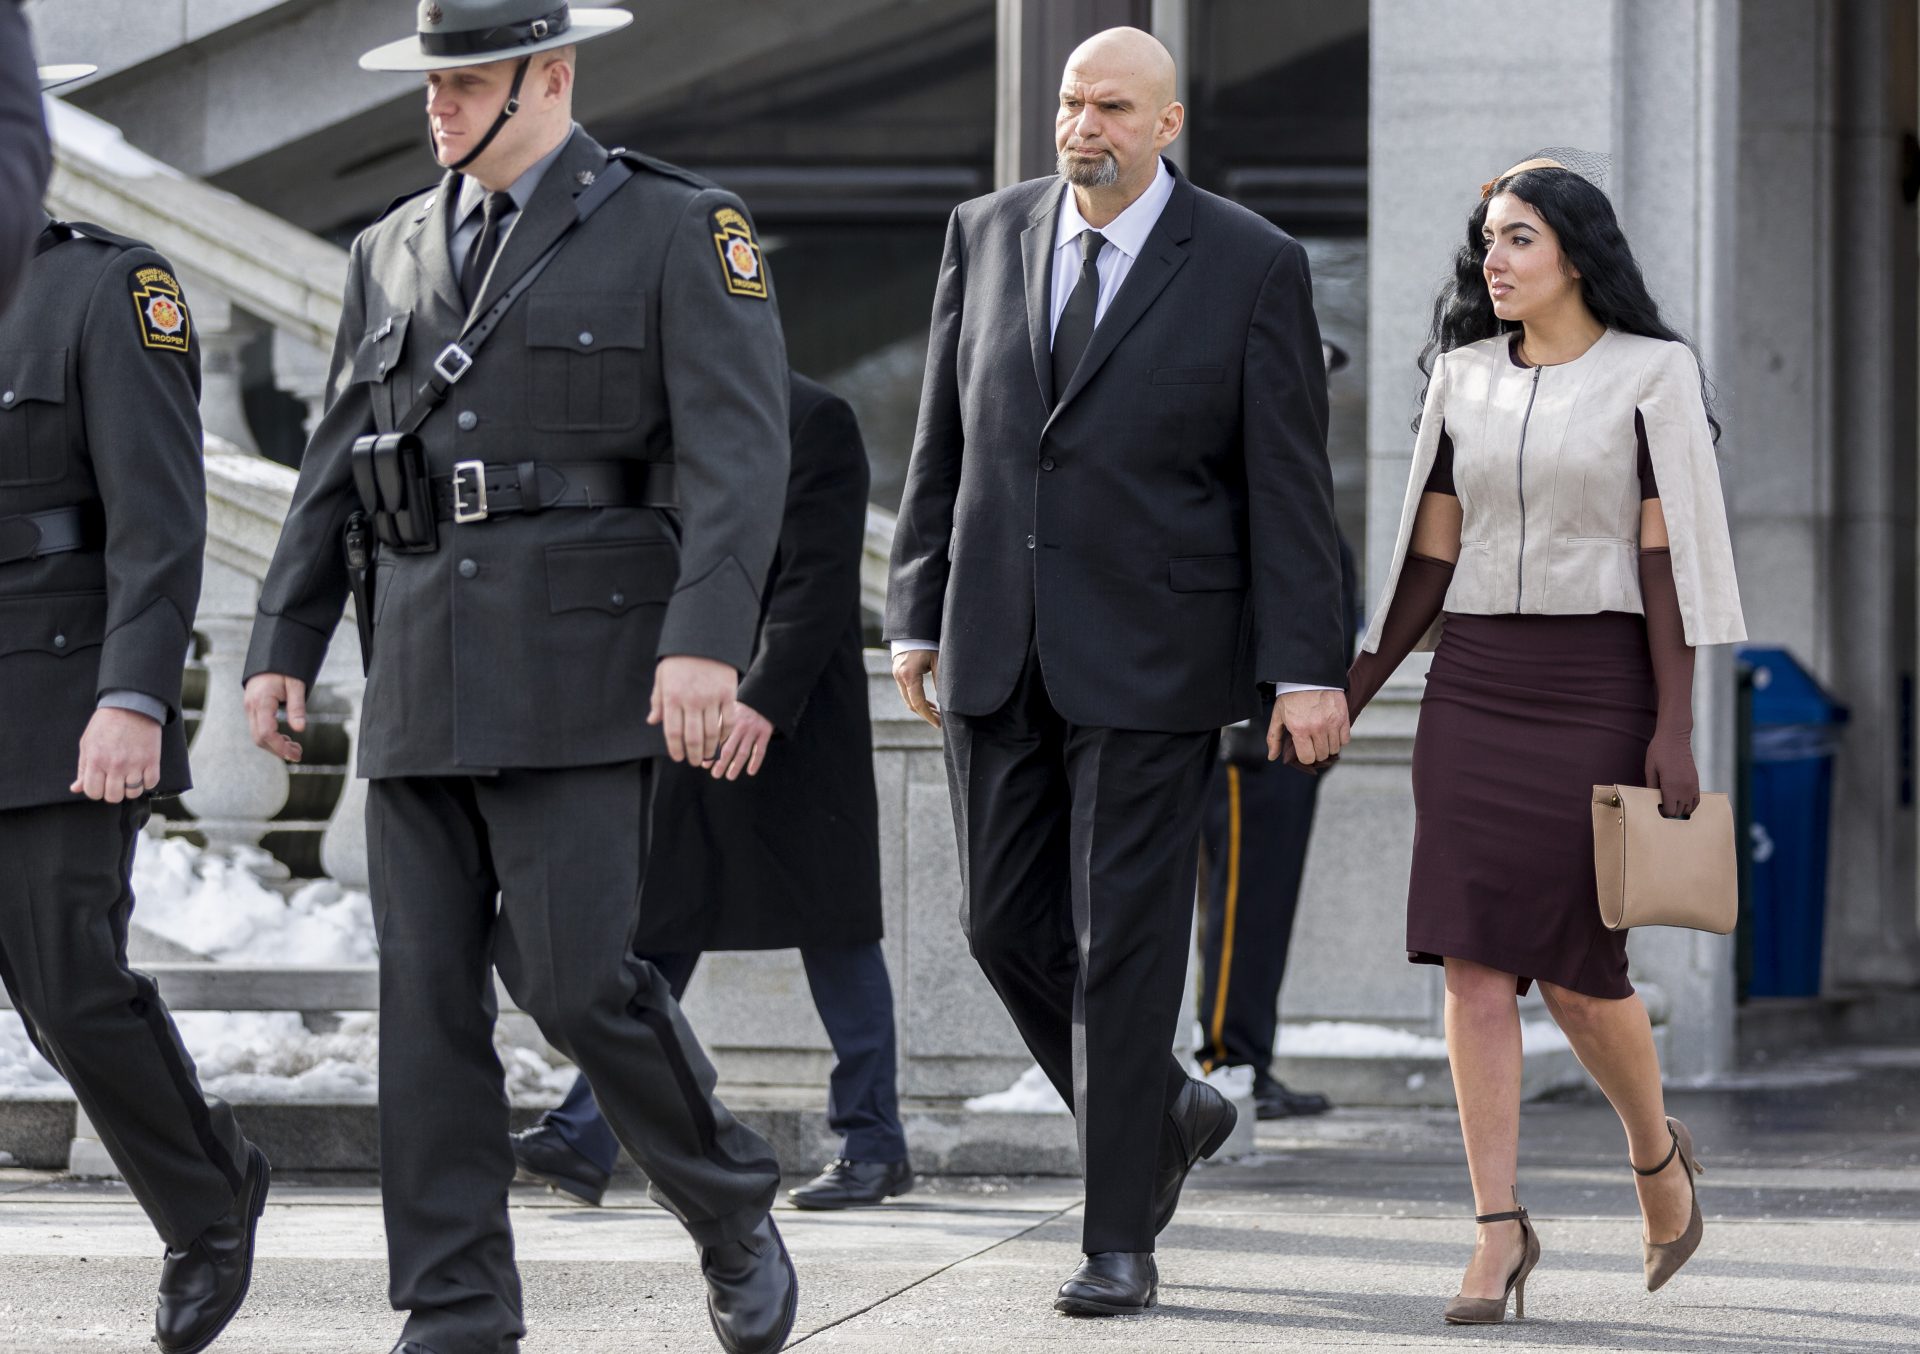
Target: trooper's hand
x: 910, y: 672
x: 119, y: 756
x: 1316, y: 719
x: 692, y: 703
x: 746, y: 745
x: 266, y: 693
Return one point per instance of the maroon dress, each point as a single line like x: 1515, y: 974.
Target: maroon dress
x: 1522, y: 717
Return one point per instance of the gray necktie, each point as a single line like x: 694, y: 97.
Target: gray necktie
x: 498, y: 207
x: 1075, y: 330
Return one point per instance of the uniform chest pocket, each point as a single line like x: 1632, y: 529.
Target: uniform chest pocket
x: 376, y: 364
x: 33, y: 415
x: 584, y: 372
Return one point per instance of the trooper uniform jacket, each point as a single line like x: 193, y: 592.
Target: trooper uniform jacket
x: 530, y: 640
x: 99, y: 411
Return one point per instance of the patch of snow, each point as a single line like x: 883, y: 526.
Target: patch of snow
x: 218, y: 906
x: 1031, y: 1094
x: 1359, y: 1039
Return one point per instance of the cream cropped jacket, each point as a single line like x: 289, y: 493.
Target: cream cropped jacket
x: 1545, y: 464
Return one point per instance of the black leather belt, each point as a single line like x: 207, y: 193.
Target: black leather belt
x: 54, y: 532
x: 477, y: 490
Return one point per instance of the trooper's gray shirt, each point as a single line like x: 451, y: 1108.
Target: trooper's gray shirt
x: 531, y: 641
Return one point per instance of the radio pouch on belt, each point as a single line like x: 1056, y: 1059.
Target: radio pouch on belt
x: 390, y: 473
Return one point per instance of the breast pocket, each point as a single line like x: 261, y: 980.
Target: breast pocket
x: 377, y: 364
x: 585, y: 369
x: 33, y: 415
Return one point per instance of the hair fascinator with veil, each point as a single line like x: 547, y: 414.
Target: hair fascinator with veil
x: 1589, y: 165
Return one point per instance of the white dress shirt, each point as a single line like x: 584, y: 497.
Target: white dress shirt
x: 1125, y: 236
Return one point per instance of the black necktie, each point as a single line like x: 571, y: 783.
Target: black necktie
x: 1075, y: 330
x: 498, y: 207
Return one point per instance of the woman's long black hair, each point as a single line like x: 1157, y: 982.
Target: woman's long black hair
x: 1592, y: 241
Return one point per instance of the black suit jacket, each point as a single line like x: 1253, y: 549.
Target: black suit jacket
x: 1165, y: 529
x: 99, y: 410
x: 790, y: 857
x: 25, y: 159
x: 530, y: 641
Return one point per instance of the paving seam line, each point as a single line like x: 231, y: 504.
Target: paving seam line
x: 927, y: 1278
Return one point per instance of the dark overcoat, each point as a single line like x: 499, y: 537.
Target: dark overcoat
x: 25, y: 158
x: 790, y: 857
x: 530, y: 641
x: 99, y: 410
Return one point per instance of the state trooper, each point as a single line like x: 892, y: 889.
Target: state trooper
x: 559, y: 396
x: 102, y: 531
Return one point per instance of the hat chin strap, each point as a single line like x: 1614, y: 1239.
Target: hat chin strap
x: 506, y: 114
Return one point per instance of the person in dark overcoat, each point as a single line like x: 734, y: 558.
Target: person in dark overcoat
x: 783, y: 853
x: 26, y: 160
x: 603, y: 480
x: 102, y: 532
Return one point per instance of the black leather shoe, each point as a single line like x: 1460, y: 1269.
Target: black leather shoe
x: 546, y: 1158
x: 1112, y: 1283
x: 1202, y: 1119
x: 202, y: 1286
x: 854, y: 1184
x: 411, y: 1347
x: 753, y: 1294
x: 1273, y: 1099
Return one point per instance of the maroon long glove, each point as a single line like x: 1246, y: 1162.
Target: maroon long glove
x: 1670, y: 768
x: 1417, y: 600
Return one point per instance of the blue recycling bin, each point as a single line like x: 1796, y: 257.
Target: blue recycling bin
x: 1794, y: 735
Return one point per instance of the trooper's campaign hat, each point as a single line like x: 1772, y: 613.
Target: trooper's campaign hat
x: 455, y: 33
x: 52, y: 77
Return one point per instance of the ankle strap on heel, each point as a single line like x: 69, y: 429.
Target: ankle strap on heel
x: 1513, y: 1215
x: 1665, y: 1161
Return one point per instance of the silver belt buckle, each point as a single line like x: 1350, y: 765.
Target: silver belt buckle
x: 462, y: 510
x: 453, y: 363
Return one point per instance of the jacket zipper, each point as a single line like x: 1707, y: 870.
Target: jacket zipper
x: 1520, y: 569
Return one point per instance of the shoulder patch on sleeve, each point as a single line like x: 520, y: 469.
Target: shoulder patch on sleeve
x: 164, y: 322
x: 742, y: 266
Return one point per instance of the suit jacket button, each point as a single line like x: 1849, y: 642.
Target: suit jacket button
x: 586, y: 340
x: 1029, y: 542
x: 618, y: 599
x: 468, y: 569
x: 469, y: 421
x: 7, y: 398
x: 1047, y: 464
x: 59, y: 641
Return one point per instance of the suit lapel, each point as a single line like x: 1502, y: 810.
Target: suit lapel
x: 428, y: 242
x: 1036, y: 257
x: 1163, y: 255
x: 545, y: 219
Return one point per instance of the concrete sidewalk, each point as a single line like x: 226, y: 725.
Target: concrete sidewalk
x: 1344, y: 1231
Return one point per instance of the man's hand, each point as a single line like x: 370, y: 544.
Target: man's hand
x: 746, y: 745
x: 119, y: 756
x: 910, y: 672
x: 266, y: 693
x: 1316, y: 722
x: 692, y: 702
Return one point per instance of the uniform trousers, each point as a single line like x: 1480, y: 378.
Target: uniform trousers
x: 854, y: 997
x: 535, y: 873
x: 65, y: 903
x: 1078, y: 849
x: 1254, y: 834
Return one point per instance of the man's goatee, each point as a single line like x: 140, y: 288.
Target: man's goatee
x: 1101, y: 173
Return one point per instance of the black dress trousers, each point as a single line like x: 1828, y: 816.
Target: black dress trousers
x: 1078, y: 849
x: 558, y: 850
x: 65, y: 902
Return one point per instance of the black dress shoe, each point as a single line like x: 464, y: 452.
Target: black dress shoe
x: 202, y: 1286
x: 411, y: 1347
x: 546, y: 1158
x: 753, y: 1294
x: 1272, y: 1099
x: 854, y: 1184
x: 1202, y: 1120
x: 1112, y: 1283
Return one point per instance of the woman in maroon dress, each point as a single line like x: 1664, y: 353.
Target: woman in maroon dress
x: 1563, y: 548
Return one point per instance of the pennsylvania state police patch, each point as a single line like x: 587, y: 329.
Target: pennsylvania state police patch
x: 164, y: 322
x: 742, y: 267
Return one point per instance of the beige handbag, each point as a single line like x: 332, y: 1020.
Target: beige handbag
x: 1655, y: 871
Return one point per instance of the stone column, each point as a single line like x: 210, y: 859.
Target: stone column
x: 300, y: 369
x: 222, y: 333
x: 237, y: 787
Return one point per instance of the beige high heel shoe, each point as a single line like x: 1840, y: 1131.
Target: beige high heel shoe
x: 1466, y: 1311
x: 1664, y: 1258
